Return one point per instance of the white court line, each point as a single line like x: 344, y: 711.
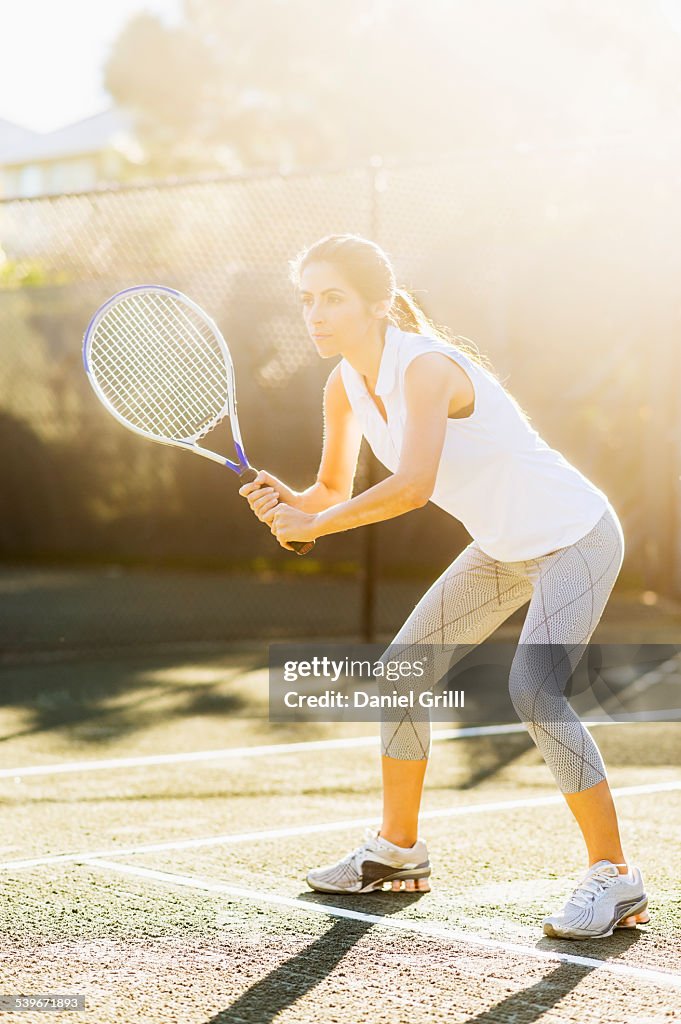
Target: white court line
x: 235, y: 838
x: 639, y: 684
x: 228, y: 753
x: 266, y: 750
x: 665, y: 979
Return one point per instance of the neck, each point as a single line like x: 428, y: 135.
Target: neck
x: 365, y: 356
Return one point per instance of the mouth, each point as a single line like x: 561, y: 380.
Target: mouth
x: 320, y: 337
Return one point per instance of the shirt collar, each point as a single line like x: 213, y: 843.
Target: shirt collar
x: 387, y: 369
x: 388, y: 366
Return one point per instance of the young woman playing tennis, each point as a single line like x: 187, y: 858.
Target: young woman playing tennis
x: 448, y: 431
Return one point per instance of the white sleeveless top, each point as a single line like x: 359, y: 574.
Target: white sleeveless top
x: 516, y: 496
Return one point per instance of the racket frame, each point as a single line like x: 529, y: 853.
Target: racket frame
x: 228, y: 410
x: 242, y: 468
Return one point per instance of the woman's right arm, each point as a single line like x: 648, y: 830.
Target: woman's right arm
x: 336, y: 474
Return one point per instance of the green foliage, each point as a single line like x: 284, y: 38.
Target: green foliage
x: 159, y: 74
x: 26, y: 274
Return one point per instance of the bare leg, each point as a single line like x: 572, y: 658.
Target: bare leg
x: 444, y: 630
x: 402, y: 789
x: 596, y: 816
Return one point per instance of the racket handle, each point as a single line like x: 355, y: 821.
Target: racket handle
x: 301, y: 547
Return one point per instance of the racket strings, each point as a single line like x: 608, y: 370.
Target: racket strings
x: 167, y: 422
x: 206, y: 340
x: 211, y: 369
x: 159, y: 363
x: 131, y: 394
x: 180, y: 360
x: 215, y: 366
x: 159, y: 369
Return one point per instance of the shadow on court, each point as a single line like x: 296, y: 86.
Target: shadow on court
x: 128, y: 694
x: 482, y: 760
x: 296, y: 977
x: 530, y: 1004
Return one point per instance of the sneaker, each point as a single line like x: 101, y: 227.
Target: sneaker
x: 603, y: 900
x: 374, y: 862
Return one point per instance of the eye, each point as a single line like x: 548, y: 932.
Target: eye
x: 305, y: 300
x: 335, y: 298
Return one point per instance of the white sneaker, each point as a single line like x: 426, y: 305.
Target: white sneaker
x: 603, y: 900
x: 372, y: 864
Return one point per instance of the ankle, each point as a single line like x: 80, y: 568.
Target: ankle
x: 403, y: 839
x: 621, y: 865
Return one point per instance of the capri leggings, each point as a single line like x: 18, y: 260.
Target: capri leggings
x: 567, y: 590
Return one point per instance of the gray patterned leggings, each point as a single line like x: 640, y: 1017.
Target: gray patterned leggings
x: 567, y: 590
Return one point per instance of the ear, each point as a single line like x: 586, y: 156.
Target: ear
x: 381, y: 309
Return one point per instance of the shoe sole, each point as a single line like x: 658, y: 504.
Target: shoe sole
x: 635, y: 912
x: 377, y: 883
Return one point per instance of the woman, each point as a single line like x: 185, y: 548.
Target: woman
x: 448, y: 431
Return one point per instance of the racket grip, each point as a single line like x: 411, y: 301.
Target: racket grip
x: 301, y: 547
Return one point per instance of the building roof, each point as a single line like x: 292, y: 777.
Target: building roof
x: 20, y: 145
x: 13, y: 137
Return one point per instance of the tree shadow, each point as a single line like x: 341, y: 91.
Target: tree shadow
x: 75, y: 695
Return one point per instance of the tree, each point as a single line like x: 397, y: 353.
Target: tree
x: 284, y: 82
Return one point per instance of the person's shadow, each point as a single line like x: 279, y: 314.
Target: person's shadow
x: 283, y: 986
x: 293, y: 979
x: 532, y: 1003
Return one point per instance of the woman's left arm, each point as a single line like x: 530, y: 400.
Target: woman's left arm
x: 432, y: 381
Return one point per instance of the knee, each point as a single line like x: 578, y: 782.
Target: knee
x: 536, y: 683
x: 521, y: 693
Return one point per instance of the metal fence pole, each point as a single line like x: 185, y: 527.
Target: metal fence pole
x: 664, y: 442
x: 370, y: 537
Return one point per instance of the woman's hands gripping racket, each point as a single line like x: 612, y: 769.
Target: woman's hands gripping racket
x: 274, y: 504
x: 161, y: 367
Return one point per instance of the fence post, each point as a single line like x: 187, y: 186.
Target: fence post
x: 370, y: 537
x: 663, y: 456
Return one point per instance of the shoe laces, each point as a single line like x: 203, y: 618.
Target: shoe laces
x: 594, y: 882
x: 372, y: 840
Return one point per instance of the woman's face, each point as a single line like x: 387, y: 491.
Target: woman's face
x: 337, y: 317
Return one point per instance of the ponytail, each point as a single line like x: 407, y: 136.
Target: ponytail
x: 369, y: 270
x: 406, y: 314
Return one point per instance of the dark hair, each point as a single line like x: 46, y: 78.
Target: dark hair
x: 368, y: 269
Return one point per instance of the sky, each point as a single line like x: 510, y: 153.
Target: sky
x: 52, y: 55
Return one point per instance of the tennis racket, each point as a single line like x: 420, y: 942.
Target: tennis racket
x: 161, y: 367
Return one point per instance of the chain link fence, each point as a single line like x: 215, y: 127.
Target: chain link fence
x: 561, y: 265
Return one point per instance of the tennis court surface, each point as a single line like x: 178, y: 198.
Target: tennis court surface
x: 158, y: 829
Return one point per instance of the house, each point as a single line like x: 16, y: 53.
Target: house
x: 75, y: 158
